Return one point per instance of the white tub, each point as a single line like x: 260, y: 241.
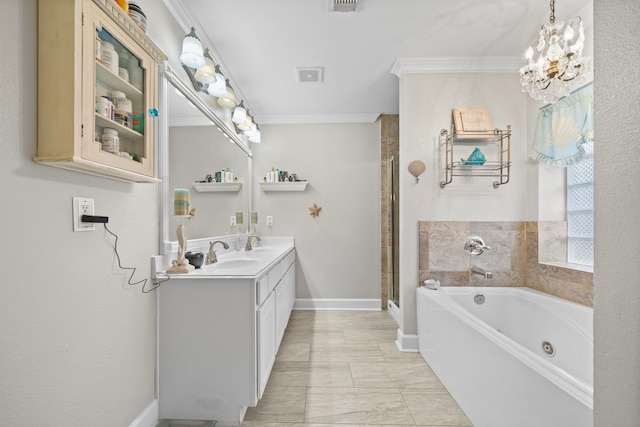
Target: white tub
x: 492, y: 360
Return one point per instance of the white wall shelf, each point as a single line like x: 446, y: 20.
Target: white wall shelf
x: 217, y: 187
x: 284, y: 186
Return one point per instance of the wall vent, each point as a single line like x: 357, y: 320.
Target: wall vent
x: 309, y: 74
x: 343, y: 5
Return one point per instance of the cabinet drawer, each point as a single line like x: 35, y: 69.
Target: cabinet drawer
x: 289, y: 260
x: 274, y: 276
x: 262, y: 289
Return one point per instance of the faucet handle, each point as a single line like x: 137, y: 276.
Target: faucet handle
x: 475, y: 245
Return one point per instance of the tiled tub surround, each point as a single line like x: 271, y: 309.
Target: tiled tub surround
x: 513, y: 257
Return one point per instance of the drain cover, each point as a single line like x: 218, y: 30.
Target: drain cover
x: 547, y: 347
x: 479, y: 299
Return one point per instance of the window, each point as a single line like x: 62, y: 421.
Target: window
x: 580, y: 212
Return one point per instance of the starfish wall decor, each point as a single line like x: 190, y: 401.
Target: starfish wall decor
x: 314, y: 210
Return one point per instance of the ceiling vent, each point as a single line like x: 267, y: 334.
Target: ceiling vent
x: 309, y: 74
x: 343, y: 5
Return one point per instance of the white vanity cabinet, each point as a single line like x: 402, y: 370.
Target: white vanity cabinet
x: 218, y: 338
x: 275, y: 305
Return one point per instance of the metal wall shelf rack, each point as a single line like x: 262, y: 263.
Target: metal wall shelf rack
x: 500, y: 168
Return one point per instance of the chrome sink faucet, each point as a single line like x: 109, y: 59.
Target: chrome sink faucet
x: 248, y: 247
x: 211, y: 257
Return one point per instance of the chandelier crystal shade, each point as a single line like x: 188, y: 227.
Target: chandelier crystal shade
x: 554, y: 60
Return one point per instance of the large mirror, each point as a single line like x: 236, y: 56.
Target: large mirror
x: 193, y: 148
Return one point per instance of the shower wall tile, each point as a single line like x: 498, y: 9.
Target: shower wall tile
x: 423, y: 251
x: 449, y: 278
x: 450, y: 226
x: 477, y: 227
x: 572, y: 291
x: 446, y: 250
x: 518, y: 246
x: 571, y: 275
x: 540, y: 282
x: 552, y: 241
x: 498, y: 258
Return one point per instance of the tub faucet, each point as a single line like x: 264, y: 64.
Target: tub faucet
x: 211, y: 257
x: 248, y: 247
x: 482, y: 272
x: 475, y: 245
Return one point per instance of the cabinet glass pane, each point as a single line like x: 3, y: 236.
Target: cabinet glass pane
x: 119, y: 81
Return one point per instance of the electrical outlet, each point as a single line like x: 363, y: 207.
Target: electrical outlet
x: 232, y: 220
x: 82, y: 206
x: 269, y: 221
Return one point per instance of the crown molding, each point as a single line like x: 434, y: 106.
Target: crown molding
x: 480, y: 64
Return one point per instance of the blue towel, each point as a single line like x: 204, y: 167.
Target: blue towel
x: 564, y: 132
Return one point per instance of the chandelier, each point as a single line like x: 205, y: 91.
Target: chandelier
x: 554, y: 60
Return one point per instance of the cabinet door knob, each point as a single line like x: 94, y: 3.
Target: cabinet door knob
x: 153, y: 112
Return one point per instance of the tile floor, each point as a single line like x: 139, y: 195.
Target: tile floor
x: 343, y: 368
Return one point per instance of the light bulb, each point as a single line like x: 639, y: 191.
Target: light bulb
x: 229, y: 100
x: 206, y: 74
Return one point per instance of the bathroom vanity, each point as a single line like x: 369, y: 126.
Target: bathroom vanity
x: 219, y: 331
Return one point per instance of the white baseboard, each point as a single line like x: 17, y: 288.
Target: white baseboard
x: 148, y: 417
x: 407, y: 343
x: 337, y: 304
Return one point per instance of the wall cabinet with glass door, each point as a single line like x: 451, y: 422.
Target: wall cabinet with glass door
x: 97, y: 90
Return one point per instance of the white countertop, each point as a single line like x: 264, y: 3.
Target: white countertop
x: 243, y: 264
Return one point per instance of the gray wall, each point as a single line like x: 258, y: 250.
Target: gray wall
x: 338, y: 253
x: 77, y: 343
x: 617, y: 270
